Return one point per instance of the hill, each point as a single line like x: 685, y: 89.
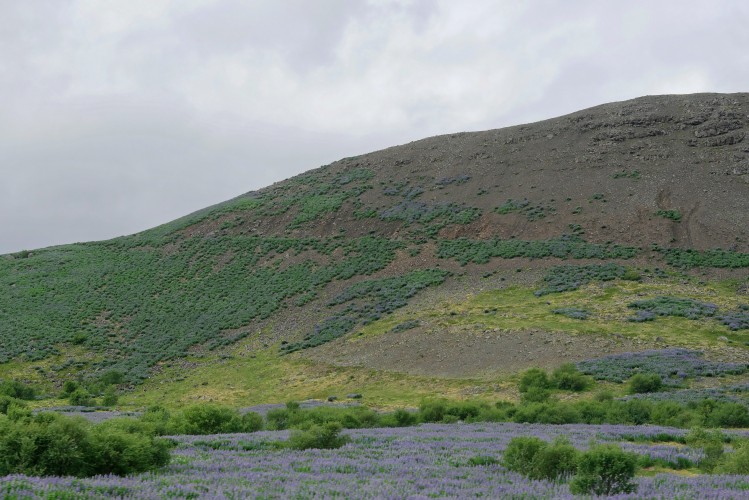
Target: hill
x: 432, y: 266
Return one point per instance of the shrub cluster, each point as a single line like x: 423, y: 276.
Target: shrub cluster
x: 565, y: 278
x: 368, y: 301
x: 49, y: 444
x: 532, y: 211
x: 672, y: 365
x: 676, y: 306
x: 602, y: 470
x: 688, y: 259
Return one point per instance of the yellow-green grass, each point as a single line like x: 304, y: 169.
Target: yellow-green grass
x: 517, y: 308
x: 271, y: 378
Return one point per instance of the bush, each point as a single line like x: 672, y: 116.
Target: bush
x: 278, y: 419
x: 318, y: 436
x: 207, y: 419
x: 605, y: 470
x: 520, y: 453
x: 736, y: 462
x: 645, y: 382
x: 711, y: 444
x: 568, y: 378
x: 534, y: 377
x: 50, y: 444
x: 554, y: 462
x: 535, y: 395
x: 80, y: 397
x: 17, y: 390
x: 251, y: 422
x: 729, y: 415
x: 110, y: 397
x: 536, y: 459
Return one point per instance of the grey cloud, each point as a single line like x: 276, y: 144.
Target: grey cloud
x: 120, y: 116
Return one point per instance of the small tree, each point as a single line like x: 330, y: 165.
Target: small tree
x: 605, y: 470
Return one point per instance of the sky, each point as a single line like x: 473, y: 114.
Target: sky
x: 120, y: 115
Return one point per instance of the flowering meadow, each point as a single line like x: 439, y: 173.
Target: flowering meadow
x: 427, y: 461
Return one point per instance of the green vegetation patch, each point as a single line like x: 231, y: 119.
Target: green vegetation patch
x: 566, y: 247
x: 689, y: 259
x: 565, y: 278
x: 142, y: 305
x: 368, y: 301
x: 673, y: 215
x: 532, y: 211
x: 676, y: 306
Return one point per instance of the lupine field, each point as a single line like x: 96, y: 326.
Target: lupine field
x: 428, y: 461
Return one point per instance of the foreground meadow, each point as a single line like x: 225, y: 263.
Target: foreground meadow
x: 427, y: 461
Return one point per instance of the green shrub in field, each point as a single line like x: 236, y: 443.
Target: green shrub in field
x: 605, y: 470
x: 568, y: 378
x: 325, y: 436
x: 534, y: 377
x: 7, y: 401
x: 554, y: 462
x: 728, y: 414
x: 49, y: 444
x: 80, y: 397
x: 17, y: 390
x: 520, y: 453
x: 538, y: 459
x: 110, y: 397
x: 211, y: 419
x: 711, y: 444
x: 645, y: 382
x: 737, y: 462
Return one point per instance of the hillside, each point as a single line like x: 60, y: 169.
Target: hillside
x: 431, y: 266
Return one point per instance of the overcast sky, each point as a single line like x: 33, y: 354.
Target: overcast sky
x: 119, y: 115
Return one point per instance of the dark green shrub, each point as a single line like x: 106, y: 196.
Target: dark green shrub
x: 432, y: 411
x: 554, y: 462
x: 69, y: 387
x: 7, y: 401
x: 534, y: 377
x: 728, y: 414
x: 156, y: 419
x: 568, y: 378
x: 605, y: 470
x: 520, y: 453
x: 115, y: 449
x: 737, y: 462
x: 110, y: 397
x: 318, y: 436
x: 206, y: 419
x: 112, y: 377
x: 50, y: 444
x: 645, y: 382
x: 535, y: 395
x: 404, y: 418
x: 251, y: 422
x: 278, y: 419
x: 17, y: 390
x: 711, y: 444
x: 80, y: 397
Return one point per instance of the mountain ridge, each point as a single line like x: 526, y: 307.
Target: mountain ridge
x: 651, y: 189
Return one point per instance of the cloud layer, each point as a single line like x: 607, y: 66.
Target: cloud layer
x: 118, y: 116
